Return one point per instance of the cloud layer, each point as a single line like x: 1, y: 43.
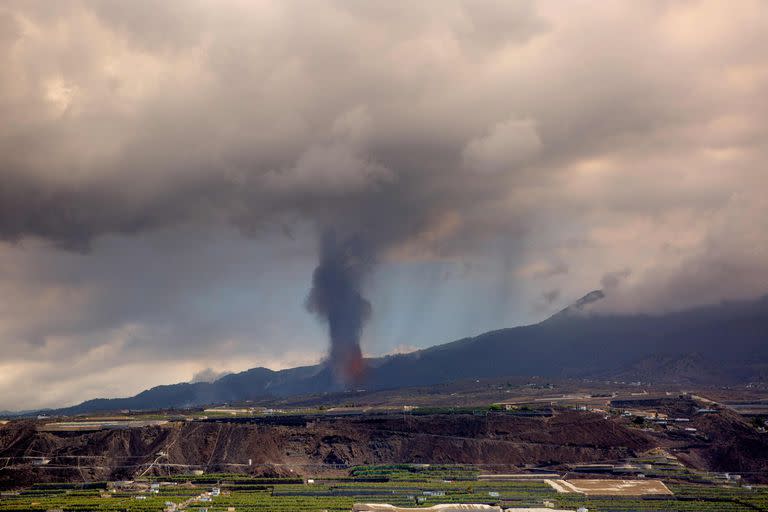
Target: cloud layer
x: 165, y: 169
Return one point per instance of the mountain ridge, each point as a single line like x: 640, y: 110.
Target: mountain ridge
x: 573, y: 343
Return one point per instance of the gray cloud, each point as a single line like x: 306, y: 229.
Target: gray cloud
x: 170, y: 119
x: 167, y: 149
x: 611, y: 280
x: 550, y: 269
x: 550, y: 296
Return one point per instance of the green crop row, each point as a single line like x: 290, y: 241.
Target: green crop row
x: 402, y: 485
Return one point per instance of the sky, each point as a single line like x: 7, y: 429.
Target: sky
x: 168, y: 170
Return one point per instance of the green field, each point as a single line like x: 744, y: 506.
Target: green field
x: 403, y: 485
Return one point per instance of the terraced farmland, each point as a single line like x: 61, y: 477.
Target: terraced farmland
x: 401, y: 485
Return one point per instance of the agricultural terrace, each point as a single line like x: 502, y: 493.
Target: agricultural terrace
x: 398, y: 485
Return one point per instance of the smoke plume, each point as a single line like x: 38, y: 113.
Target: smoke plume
x: 336, y: 298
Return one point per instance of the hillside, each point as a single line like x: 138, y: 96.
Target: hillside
x: 723, y: 343
x: 280, y: 445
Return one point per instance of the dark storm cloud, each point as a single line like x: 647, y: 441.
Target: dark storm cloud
x: 203, y: 112
x: 240, y: 125
x: 461, y: 131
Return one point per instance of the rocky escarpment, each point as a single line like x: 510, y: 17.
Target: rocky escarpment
x: 311, y: 444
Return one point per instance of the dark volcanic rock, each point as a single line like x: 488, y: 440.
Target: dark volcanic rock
x: 226, y: 446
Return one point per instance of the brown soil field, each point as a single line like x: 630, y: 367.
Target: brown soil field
x: 604, y: 487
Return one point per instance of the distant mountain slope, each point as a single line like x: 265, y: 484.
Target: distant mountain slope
x: 730, y: 337
x: 691, y: 368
